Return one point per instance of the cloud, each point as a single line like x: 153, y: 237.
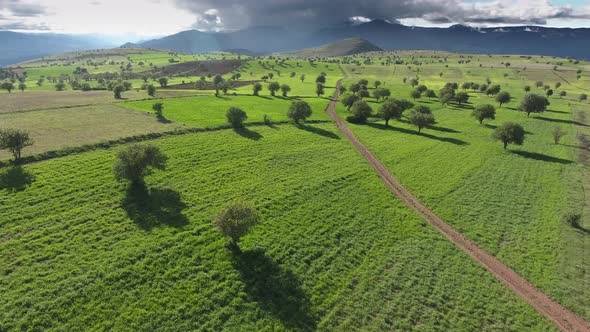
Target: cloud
x: 301, y: 14
x: 209, y: 20
x: 20, y: 26
x: 19, y: 8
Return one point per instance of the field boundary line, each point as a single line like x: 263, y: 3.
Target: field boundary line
x: 563, y: 318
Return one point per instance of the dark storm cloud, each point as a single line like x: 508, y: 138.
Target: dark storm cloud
x: 236, y: 14
x: 17, y: 8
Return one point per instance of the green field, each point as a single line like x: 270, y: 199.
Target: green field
x: 334, y: 249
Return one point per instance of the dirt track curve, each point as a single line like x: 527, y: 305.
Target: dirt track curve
x: 563, y: 318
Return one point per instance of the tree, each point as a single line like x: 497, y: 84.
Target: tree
x: 557, y: 85
x: 483, y: 112
x: 527, y: 88
x: 151, y: 90
x: 159, y: 109
x: 236, y: 117
x: 117, y: 90
x: 557, y: 133
x: 422, y: 88
x: 533, y: 103
x: 430, y: 94
x: 321, y: 79
x: 319, y: 89
x: 302, y: 78
x: 236, y: 221
x: 462, y: 97
x: 349, y: 100
x: 299, y: 110
x: 493, y: 90
x: 8, y: 86
x: 285, y: 89
x: 22, y: 87
x: 466, y: 85
x: 363, y: 94
x: 256, y: 88
x: 549, y: 92
x: 421, y: 119
x: 583, y: 97
x: 379, y: 93
x: 562, y: 93
x: 355, y: 88
x: 510, y: 133
x: 60, y: 86
x: 390, y: 109
x: 414, y: 82
x: 360, y: 112
x: 363, y: 82
x: 341, y: 89
x: 483, y: 88
x: 15, y: 140
x: 271, y: 75
x: 539, y: 84
x: 377, y: 84
x: 503, y: 98
x: 416, y: 94
x: 137, y: 161
x: 273, y: 87
x: 163, y: 82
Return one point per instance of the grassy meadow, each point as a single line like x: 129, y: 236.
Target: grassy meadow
x: 334, y: 250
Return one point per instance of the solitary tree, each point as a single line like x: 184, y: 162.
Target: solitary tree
x: 377, y: 84
x: 583, y: 97
x: 60, y: 86
x: 430, y: 94
x: 503, y: 98
x: 390, y: 109
x: 414, y: 82
x: 549, y: 92
x: 299, y: 110
x: 236, y: 221
x: 421, y: 119
x: 510, y: 133
x: 285, y: 89
x: 539, y: 84
x: 256, y: 88
x: 273, y: 87
x: 341, y: 89
x: 483, y: 112
x: 422, y: 88
x: 15, y: 140
x: 163, y: 82
x: 557, y: 134
x: 461, y: 97
x: 416, y: 94
x: 22, y: 87
x: 159, y: 109
x: 137, y: 161
x: 562, y: 93
x: 533, y: 103
x: 117, y: 90
x: 8, y: 86
x: 319, y: 89
x: 151, y: 90
x: 236, y: 117
x: 349, y: 100
x: 302, y: 78
x: 321, y: 79
x: 493, y: 90
x: 527, y: 88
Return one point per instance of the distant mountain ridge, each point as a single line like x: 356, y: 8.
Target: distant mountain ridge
x: 343, y: 47
x: 533, y: 40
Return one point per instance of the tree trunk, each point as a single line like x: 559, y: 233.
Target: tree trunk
x: 387, y: 122
x: 505, y: 145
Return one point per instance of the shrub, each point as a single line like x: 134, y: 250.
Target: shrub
x: 158, y: 109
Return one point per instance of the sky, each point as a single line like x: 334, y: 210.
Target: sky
x: 147, y: 18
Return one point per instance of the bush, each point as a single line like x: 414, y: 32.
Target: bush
x: 135, y: 162
x: 158, y: 109
x: 236, y: 117
x: 236, y: 221
x: 573, y: 219
x: 267, y: 120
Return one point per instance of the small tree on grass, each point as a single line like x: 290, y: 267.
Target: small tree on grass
x: 421, y: 117
x: 151, y: 90
x: 573, y: 219
x: 8, y: 86
x: 236, y: 117
x: 137, y: 161
x: 557, y: 134
x: 256, y: 88
x: 416, y: 94
x: 22, y: 87
x: 430, y: 94
x: 461, y: 97
x: 583, y: 97
x: 117, y: 91
x: 285, y: 89
x: 562, y: 93
x: 510, y: 133
x: 319, y: 89
x: 503, y: 98
x: 159, y: 109
x: 360, y: 112
x: 341, y: 89
x: 379, y: 93
x: 236, y: 221
x: 299, y: 110
x: 354, y: 88
x: 15, y: 140
x: 273, y: 87
x: 302, y: 78
x: 533, y: 103
x: 390, y: 109
x: 349, y: 100
x: 483, y: 112
x: 163, y: 82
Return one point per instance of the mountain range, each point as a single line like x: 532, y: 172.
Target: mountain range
x: 526, y: 40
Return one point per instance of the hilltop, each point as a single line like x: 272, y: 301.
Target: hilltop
x: 344, y: 47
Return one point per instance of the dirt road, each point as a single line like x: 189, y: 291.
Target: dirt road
x: 563, y: 318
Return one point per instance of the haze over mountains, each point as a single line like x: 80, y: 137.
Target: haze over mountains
x: 567, y: 42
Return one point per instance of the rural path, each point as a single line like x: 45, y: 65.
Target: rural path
x: 563, y: 318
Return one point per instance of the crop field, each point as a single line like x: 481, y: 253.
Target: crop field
x: 70, y: 127
x: 210, y: 111
x: 509, y: 202
x: 334, y: 250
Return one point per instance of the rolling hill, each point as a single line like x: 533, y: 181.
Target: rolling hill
x: 340, y: 48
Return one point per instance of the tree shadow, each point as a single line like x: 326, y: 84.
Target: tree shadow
x: 162, y: 119
x: 413, y: 132
x: 276, y: 290
x: 444, y: 130
x: 541, y: 157
x: 153, y: 207
x: 264, y: 97
x: 318, y: 131
x: 15, y: 179
x: 560, y: 112
x: 569, y: 122
x: 490, y: 126
x: 247, y: 133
